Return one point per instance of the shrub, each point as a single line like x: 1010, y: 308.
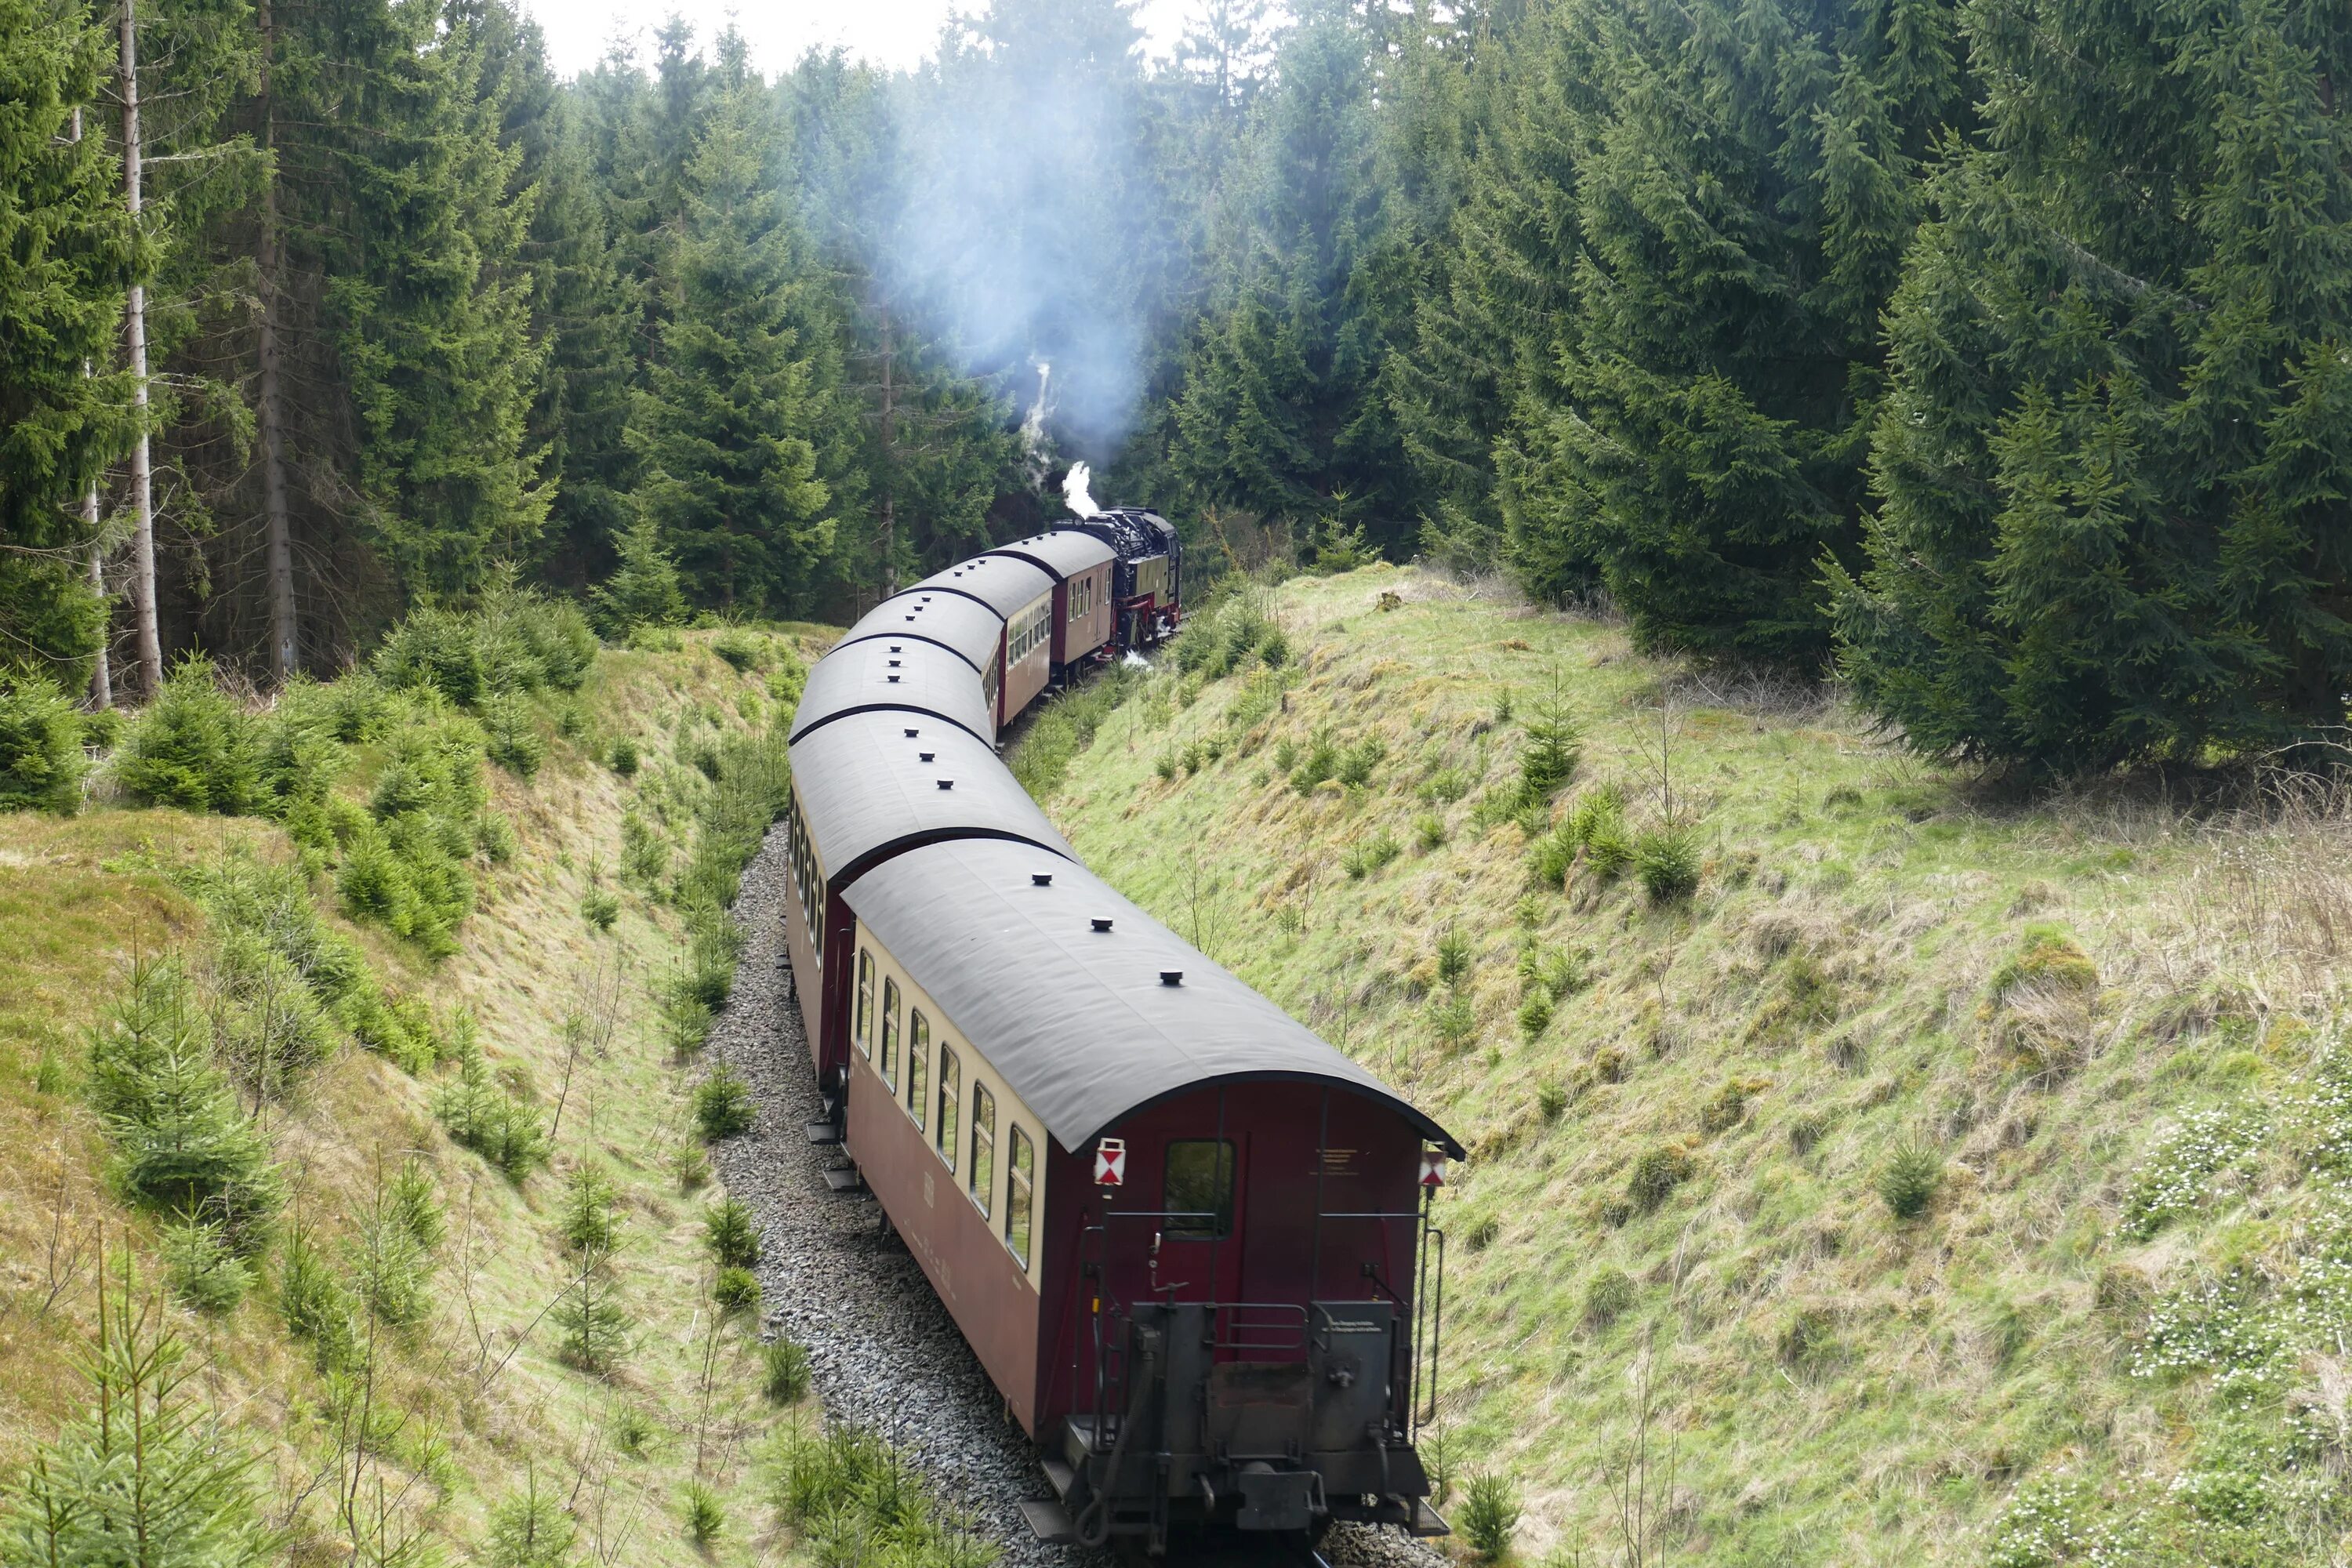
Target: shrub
x: 737, y: 1290
x: 1428, y: 831
x: 1481, y: 1233
x: 1551, y: 1099
x: 1907, y: 1182
x: 531, y: 1530
x: 1320, y: 762
x: 632, y: 1431
x: 594, y: 1330
x: 784, y: 1371
x: 601, y: 908
x: 1354, y: 766
x: 2047, y: 957
x: 1609, y: 1294
x: 1656, y: 1172
x: 183, y: 1144
x: 1725, y: 1109
x: 313, y: 1302
x: 192, y: 748
x: 644, y: 853
x: 728, y: 1231
x: 1453, y: 1021
x: 1549, y: 755
x: 481, y: 1116
x: 703, y: 1517
x: 1445, y: 786
x: 1452, y: 957
x: 741, y: 649
x: 1489, y: 1515
x: 41, y: 760
x: 723, y: 1107
x: 201, y: 1268
x: 438, y: 651
x: 625, y: 757
x: 1534, y: 1016
x: 690, y: 1165
x: 1360, y: 860
x: 389, y: 1270
x: 589, y: 1219
x: 1666, y: 860
x: 512, y: 737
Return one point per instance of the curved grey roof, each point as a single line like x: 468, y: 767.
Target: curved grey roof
x: 999, y: 582
x: 1077, y: 1021
x: 893, y: 673
x: 1060, y: 555
x: 965, y: 626
x: 868, y: 793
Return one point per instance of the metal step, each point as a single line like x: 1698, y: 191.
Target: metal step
x: 1049, y: 1521
x: 821, y: 1131
x: 1427, y: 1522
x: 1061, y: 1476
x: 845, y: 1179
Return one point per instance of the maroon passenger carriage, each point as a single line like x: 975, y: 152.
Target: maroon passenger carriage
x: 1189, y: 1242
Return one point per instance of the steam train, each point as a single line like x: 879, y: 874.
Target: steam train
x: 1191, y: 1244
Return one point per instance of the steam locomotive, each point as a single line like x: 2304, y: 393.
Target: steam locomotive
x: 1192, y: 1245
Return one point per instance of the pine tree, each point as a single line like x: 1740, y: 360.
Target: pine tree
x: 740, y: 393
x: 69, y: 255
x: 2110, y: 463
x: 1741, y: 210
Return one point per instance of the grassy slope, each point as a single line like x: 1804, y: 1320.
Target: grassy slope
x: 1838, y: 1387
x: 481, y: 1400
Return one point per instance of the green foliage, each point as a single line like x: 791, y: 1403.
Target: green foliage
x: 1067, y: 726
x: 510, y: 735
x: 743, y: 649
x: 1454, y: 957
x: 481, y: 1115
x: 194, y: 747
x: 183, y: 1144
x: 736, y: 1291
x: 589, y: 1219
x: 625, y: 757
x: 723, y: 1106
x: 1489, y: 1515
x: 142, y: 1474
x: 600, y: 907
x: 700, y: 1513
x: 1907, y: 1184
x: 731, y: 1236
x: 594, y: 1330
x: 1551, y: 1099
x: 41, y: 760
x: 1453, y: 1021
x: 1354, y: 765
x: 785, y: 1373
x: 531, y: 1530
x: 1549, y: 755
x: 644, y: 589
x: 1609, y: 1294
x: 1666, y: 859
x: 1534, y: 1014
x: 1363, y: 858
x: 201, y: 1269
x: 313, y: 1301
x: 1428, y: 831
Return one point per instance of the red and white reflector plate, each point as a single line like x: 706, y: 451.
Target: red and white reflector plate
x: 1110, y: 1162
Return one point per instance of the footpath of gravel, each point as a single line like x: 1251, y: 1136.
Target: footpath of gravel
x: 884, y: 1354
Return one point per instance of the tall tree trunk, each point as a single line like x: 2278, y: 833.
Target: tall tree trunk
x: 889, y: 528
x: 101, y: 679
x: 142, y: 483
x: 282, y: 652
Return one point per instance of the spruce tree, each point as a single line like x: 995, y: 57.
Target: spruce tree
x: 2110, y: 467
x: 1742, y: 207
x: 67, y: 251
x: 743, y: 384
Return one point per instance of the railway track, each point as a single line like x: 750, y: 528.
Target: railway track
x: 884, y: 1354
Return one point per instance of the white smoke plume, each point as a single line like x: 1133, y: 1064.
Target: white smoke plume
x: 1034, y: 439
x: 1076, y: 491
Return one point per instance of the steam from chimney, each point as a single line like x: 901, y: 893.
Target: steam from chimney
x: 1075, y: 490
x: 1033, y: 426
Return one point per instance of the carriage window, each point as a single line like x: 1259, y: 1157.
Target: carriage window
x: 1020, y: 1181
x: 890, y: 1033
x: 865, y: 1001
x: 982, y: 1176
x: 951, y: 1099
x: 1198, y: 1192
x: 918, y: 1065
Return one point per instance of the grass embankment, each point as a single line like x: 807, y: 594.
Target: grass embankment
x: 1934, y: 1181
x: 391, y: 1343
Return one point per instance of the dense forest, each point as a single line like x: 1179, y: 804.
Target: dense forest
x: 1989, y: 353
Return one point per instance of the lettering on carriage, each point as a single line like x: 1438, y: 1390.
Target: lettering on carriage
x: 1351, y: 1326
x: 1339, y: 1160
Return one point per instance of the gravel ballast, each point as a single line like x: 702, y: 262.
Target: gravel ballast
x: 883, y: 1351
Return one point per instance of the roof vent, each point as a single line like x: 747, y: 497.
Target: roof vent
x: 912, y: 734
x: 894, y: 663
x: 947, y: 784
x: 926, y: 756
x: 1171, y: 978
x: 1041, y: 879
x: 910, y: 618
x: 894, y: 680
x: 1102, y: 923
x: 896, y: 648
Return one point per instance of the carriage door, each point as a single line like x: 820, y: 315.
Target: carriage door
x: 1198, y: 1254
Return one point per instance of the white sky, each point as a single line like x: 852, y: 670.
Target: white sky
x: 892, y: 32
